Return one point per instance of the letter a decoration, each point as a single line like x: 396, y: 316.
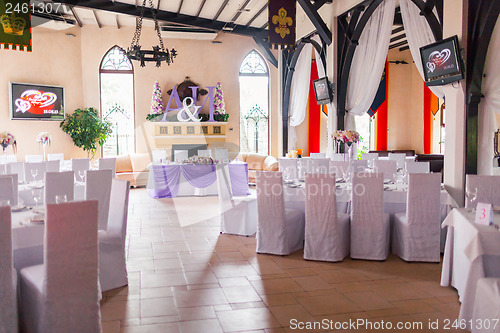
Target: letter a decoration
x: 15, y: 25
x: 282, y: 23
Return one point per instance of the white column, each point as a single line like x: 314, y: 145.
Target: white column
x: 331, y: 70
x: 280, y: 102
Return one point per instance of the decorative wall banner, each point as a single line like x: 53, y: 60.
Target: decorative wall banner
x: 15, y: 24
x: 381, y: 111
x: 282, y: 23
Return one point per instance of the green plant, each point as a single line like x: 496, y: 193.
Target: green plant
x: 86, y: 129
x: 217, y: 116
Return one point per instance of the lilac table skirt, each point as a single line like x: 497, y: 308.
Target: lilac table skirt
x: 164, y: 180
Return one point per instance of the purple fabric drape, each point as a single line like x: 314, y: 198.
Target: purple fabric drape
x: 166, y: 181
x: 238, y: 173
x: 199, y: 176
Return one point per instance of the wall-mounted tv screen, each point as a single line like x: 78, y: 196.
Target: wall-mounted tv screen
x: 441, y: 62
x: 322, y: 91
x: 36, y: 101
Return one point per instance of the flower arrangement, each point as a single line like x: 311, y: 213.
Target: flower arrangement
x: 7, y: 139
x: 157, y: 107
x: 348, y: 137
x: 202, y: 160
x: 219, y: 100
x: 43, y: 138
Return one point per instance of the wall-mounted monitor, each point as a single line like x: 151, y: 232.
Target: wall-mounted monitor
x: 322, y: 91
x: 36, y: 101
x: 441, y: 62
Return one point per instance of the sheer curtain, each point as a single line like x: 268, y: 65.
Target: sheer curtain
x: 368, y: 62
x: 489, y: 104
x: 299, y: 93
x: 418, y: 34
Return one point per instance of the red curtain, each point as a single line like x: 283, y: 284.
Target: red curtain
x: 431, y: 103
x: 314, y: 114
x: 381, y: 114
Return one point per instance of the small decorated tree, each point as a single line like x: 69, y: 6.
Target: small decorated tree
x: 157, y: 107
x: 219, y: 106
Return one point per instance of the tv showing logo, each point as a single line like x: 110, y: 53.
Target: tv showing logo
x: 37, y: 102
x: 438, y: 59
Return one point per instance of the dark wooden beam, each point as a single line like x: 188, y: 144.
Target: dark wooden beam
x: 97, y: 20
x: 319, y: 3
x: 257, y: 15
x: 265, y: 25
x: 202, y: 4
x: 397, y: 44
x: 221, y: 8
x: 117, y: 23
x: 316, y: 20
x: 180, y: 6
x: 404, y: 48
x: 426, y: 11
x: 398, y: 19
x: 158, y: 5
x: 240, y: 10
x: 396, y: 38
x: 75, y: 16
x: 264, y: 49
x: 395, y: 31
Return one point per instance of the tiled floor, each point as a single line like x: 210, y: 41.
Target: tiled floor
x: 186, y: 277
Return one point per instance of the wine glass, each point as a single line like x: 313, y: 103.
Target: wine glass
x: 81, y: 174
x: 37, y: 196
x: 471, y: 195
x: 60, y: 198
x: 34, y: 173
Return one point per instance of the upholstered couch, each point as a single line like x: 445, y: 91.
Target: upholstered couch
x: 258, y: 162
x: 134, y: 168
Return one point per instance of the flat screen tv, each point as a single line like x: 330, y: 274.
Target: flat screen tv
x: 322, y: 91
x: 441, y: 62
x: 36, y: 101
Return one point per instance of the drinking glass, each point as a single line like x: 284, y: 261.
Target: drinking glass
x: 471, y: 195
x: 34, y: 173
x: 81, y: 173
x: 37, y: 196
x: 60, y: 198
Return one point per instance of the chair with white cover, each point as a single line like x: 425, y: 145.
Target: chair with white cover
x: 204, y: 153
x: 417, y: 167
x: 339, y: 168
x: 399, y: 158
x: 180, y: 155
x: 304, y: 166
x: 34, y: 171
x: 338, y: 157
x: 8, y: 276
x: 62, y: 295
x: 370, y: 226
x: 388, y: 167
x: 159, y: 156
x: 359, y: 165
x: 279, y: 231
x: 288, y: 166
x: 53, y: 166
x: 486, y: 306
x: 238, y: 214
x: 222, y: 155
x: 78, y: 164
x: 416, y: 233
x: 112, y: 260
x: 320, y: 165
x: 9, y: 188
x: 8, y: 159
x: 59, y: 183
x: 486, y: 188
x: 108, y: 163
x: 317, y: 155
x: 326, y: 231
x: 33, y: 158
x: 370, y: 157
x: 18, y: 169
x: 55, y: 157
x: 98, y: 187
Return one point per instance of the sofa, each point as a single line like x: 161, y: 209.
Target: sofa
x: 258, y: 162
x: 385, y: 153
x: 134, y: 168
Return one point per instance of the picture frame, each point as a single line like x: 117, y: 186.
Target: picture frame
x: 322, y: 91
x: 28, y: 101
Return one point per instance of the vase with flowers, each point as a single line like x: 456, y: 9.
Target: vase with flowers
x: 44, y: 139
x: 7, y: 139
x: 348, y: 138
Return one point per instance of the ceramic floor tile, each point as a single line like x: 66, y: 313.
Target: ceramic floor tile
x: 205, y: 326
x: 368, y: 300
x: 276, y: 286
x: 197, y: 313
x: 331, y: 304
x: 155, y: 328
x: 155, y: 307
x: 199, y: 297
x: 153, y: 280
x: 241, y: 294
x: 247, y: 319
x: 311, y: 283
x: 285, y: 314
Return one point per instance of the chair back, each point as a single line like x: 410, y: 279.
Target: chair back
x: 423, y: 204
x: 304, y: 166
x: 40, y: 168
x: 3, y: 168
x: 359, y: 165
x: 98, y: 187
x: 180, y: 155
x: 222, y: 155
x: 8, y: 306
x: 370, y: 157
x: 487, y: 189
x: 53, y: 166
x: 417, y: 167
x: 78, y: 164
x: 338, y: 157
x: 71, y: 268
x: 317, y: 155
x: 288, y: 166
x: 159, y: 156
x: 368, y: 201
x: 204, y: 153
x: 339, y: 168
x: 224, y: 186
x: 320, y: 165
x: 388, y: 167
x: 16, y: 168
x: 10, y: 189
x: 400, y: 158
x: 8, y: 158
x: 59, y: 183
x: 33, y: 158
x: 108, y: 163
x: 118, y: 208
x: 55, y: 157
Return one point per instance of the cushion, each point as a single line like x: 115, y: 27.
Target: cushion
x: 123, y: 164
x: 140, y: 161
x: 270, y: 164
x: 255, y: 161
x: 242, y: 157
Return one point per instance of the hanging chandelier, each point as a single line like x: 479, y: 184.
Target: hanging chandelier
x: 158, y: 53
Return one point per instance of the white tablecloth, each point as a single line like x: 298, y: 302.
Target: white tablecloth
x: 26, y: 193
x: 27, y: 239
x: 472, y: 252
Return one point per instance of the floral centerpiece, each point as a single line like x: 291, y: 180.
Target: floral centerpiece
x: 348, y: 137
x: 157, y: 107
x: 7, y: 139
x: 43, y: 138
x: 202, y: 160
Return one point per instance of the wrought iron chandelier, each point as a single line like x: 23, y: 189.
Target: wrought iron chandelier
x: 158, y: 53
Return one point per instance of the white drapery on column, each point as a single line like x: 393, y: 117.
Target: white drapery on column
x: 418, y: 33
x: 368, y: 62
x: 489, y: 104
x: 299, y: 93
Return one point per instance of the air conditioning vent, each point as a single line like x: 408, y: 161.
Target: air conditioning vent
x: 180, y: 32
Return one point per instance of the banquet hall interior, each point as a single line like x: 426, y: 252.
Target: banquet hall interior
x: 249, y: 166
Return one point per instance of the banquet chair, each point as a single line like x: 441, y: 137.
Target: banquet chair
x: 180, y: 155
x: 370, y: 227
x: 40, y: 168
x: 304, y: 166
x: 388, y: 167
x: 222, y: 155
x: 400, y: 158
x: 62, y: 294
x: 326, y: 231
x: 112, y: 265
x: 288, y: 166
x: 78, y: 164
x: 359, y: 165
x: 416, y: 233
x: 53, y: 166
x: 3, y: 169
x: 279, y: 231
x: 320, y: 165
x: 238, y: 214
x: 370, y: 157
x: 486, y: 188
x: 8, y: 276
x: 108, y: 163
x: 204, y: 153
x: 33, y: 158
x: 55, y: 157
x: 486, y: 305
x: 16, y: 168
x: 417, y: 167
x: 338, y: 157
x: 8, y: 159
x: 317, y: 155
x: 339, y: 168
x: 10, y: 189
x: 59, y: 183
x: 98, y: 187
x: 159, y: 156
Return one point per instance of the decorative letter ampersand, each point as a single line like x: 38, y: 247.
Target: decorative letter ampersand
x: 186, y: 109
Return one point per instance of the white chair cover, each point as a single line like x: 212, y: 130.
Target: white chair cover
x: 417, y: 167
x: 78, y: 164
x: 62, y: 294
x: 3, y: 169
x: 399, y: 158
x: 98, y: 187
x: 222, y: 155
x: 112, y: 259
x: 317, y: 155
x: 59, y: 183
x: 55, y: 157
x: 159, y: 156
x: 487, y: 189
x: 8, y: 276
x: 326, y: 231
x: 487, y: 306
x: 41, y: 168
x: 8, y: 159
x: 8, y: 189
x: 388, y: 167
x: 339, y: 168
x: 338, y: 157
x: 359, y: 165
x: 304, y: 166
x: 280, y: 231
x: 204, y: 153
x: 53, y: 166
x: 369, y: 224
x: 416, y: 232
x: 288, y: 166
x: 16, y: 168
x: 370, y: 157
x: 180, y: 155
x: 108, y: 163
x: 33, y: 158
x: 320, y: 165
x: 238, y: 214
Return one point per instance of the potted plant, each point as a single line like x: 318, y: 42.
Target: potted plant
x: 86, y: 129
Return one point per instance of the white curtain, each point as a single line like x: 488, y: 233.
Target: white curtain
x: 299, y: 93
x: 489, y: 105
x: 368, y: 62
x: 418, y: 34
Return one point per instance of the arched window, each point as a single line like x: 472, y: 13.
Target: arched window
x: 117, y: 101
x: 254, y: 104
